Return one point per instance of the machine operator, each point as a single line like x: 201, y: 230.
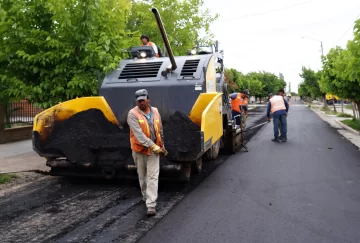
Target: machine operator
x: 147, y: 143
x: 239, y: 101
x: 146, y: 42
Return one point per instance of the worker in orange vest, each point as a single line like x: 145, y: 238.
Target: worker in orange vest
x: 147, y: 143
x: 146, y: 42
x: 239, y: 100
x: 279, y: 108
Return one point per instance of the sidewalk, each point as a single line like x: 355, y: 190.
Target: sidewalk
x: 331, y: 107
x: 19, y: 156
x: 334, y: 122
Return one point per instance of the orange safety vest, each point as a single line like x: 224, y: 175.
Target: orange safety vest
x: 151, y: 44
x: 136, y: 146
x: 237, y: 102
x: 277, y: 104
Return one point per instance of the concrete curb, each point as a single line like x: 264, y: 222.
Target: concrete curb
x: 347, y: 127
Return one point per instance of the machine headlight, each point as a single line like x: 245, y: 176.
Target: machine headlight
x: 143, y: 54
x: 193, y: 52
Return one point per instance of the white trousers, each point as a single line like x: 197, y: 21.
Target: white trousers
x: 148, y: 171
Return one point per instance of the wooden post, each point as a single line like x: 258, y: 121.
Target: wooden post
x: 2, y: 123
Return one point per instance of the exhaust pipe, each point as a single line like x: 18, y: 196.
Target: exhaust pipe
x: 164, y: 37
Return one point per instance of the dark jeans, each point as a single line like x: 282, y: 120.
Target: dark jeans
x: 237, y: 119
x: 277, y: 121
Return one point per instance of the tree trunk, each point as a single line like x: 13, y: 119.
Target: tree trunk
x: 2, y: 123
x: 353, y: 108
x: 334, y: 105
x: 325, y: 105
x: 358, y: 110
x: 342, y: 106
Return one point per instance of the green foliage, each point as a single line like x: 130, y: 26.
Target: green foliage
x: 270, y: 82
x: 310, y: 84
x: 4, y: 179
x: 340, y: 74
x: 328, y: 77
x: 260, y: 84
x: 229, y: 79
x: 353, y: 123
x: 344, y: 115
x: 54, y: 48
x: 303, y: 91
x: 255, y: 87
x: 183, y: 20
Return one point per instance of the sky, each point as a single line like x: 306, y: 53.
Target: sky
x: 268, y: 35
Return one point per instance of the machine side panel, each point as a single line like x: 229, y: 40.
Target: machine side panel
x: 211, y: 121
x: 200, y: 105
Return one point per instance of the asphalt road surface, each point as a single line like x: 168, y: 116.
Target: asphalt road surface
x: 305, y: 190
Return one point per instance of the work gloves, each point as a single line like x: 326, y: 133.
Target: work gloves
x: 157, y: 150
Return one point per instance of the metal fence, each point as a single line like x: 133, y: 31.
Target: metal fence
x: 20, y: 113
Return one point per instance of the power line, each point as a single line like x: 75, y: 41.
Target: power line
x: 352, y: 24
x: 269, y: 11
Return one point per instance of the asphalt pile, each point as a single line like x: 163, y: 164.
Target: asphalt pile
x: 181, y: 136
x: 88, y: 135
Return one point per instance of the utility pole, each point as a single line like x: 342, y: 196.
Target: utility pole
x: 322, y: 55
x: 322, y: 49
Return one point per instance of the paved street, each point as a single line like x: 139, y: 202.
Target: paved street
x: 305, y: 190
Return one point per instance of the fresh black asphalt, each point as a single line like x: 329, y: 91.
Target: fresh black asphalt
x: 305, y: 190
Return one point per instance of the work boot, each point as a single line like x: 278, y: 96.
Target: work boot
x: 282, y: 139
x: 275, y: 140
x: 151, y: 211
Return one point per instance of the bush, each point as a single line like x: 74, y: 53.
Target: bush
x: 344, y: 115
x: 354, y: 123
x: 7, y: 178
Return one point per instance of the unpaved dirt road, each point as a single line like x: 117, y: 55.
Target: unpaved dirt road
x: 57, y: 209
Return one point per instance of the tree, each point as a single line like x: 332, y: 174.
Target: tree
x: 310, y: 85
x: 271, y: 83
x: 229, y: 79
x: 347, y: 70
x: 54, y: 48
x: 255, y: 87
x: 183, y: 20
x: 340, y: 74
x: 328, y: 79
x: 303, y: 91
